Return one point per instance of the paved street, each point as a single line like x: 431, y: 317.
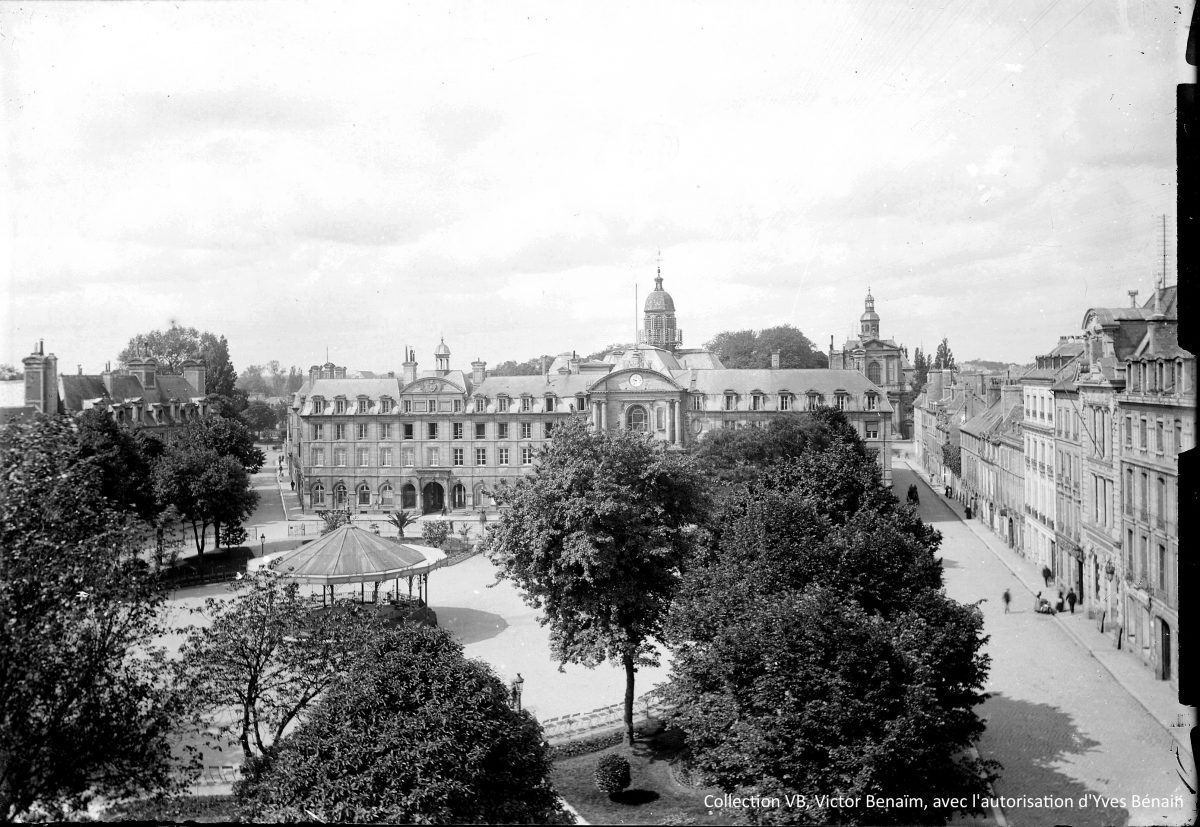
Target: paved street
x: 1060, y: 724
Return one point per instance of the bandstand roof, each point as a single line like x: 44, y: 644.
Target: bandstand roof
x: 350, y: 554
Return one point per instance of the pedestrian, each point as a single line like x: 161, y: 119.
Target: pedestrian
x: 1037, y: 601
x: 293, y: 485
x: 968, y: 512
x: 1058, y: 604
x: 1007, y: 599
x: 1047, y: 574
x: 1072, y: 599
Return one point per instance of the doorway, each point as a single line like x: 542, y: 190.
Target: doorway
x: 433, y: 498
x: 1165, y: 643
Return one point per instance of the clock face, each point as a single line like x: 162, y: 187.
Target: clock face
x: 636, y: 380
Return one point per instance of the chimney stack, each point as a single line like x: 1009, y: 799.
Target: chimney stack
x: 478, y: 371
x: 410, y: 366
x: 1133, y: 298
x: 196, y: 374
x: 573, y: 363
x: 774, y: 360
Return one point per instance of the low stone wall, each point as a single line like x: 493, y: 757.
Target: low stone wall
x: 588, y: 724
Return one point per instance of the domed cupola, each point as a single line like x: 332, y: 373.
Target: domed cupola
x: 870, y: 319
x: 659, y: 328
x: 441, y: 358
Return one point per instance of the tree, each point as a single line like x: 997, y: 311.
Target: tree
x: 414, y: 734
x: 259, y: 416
x: 531, y: 367
x: 742, y: 454
x: 176, y: 344
x: 402, y: 520
x: 595, y: 538
x: 85, y: 707
x: 8, y: 372
x: 920, y: 370
x: 251, y: 380
x: 435, y: 532
x: 124, y: 459
x: 814, y: 650
x: 205, y: 488
x: 229, y: 438
x: 269, y: 655
x: 944, y: 358
x: 748, y: 349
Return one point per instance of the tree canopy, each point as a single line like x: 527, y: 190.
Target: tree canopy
x: 85, y: 707
x: 259, y: 416
x: 413, y: 734
x: 944, y: 358
x: 124, y: 459
x: 751, y: 349
x: 266, y: 653
x: 813, y: 649
x: 530, y: 367
x: 595, y: 538
x: 921, y: 364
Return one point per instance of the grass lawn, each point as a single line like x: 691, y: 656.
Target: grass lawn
x: 653, y: 797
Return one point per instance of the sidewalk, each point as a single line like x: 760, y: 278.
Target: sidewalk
x: 1156, y: 697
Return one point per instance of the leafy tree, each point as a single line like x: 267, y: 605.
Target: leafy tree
x: 229, y: 438
x: 334, y: 519
x: 531, y: 367
x: 944, y: 358
x: 814, y: 649
x: 205, y: 489
x: 595, y: 538
x: 295, y: 380
x: 7, y: 372
x: 414, y: 734
x: 85, y: 709
x: 599, y: 354
x: 176, y: 344
x: 952, y: 458
x: 268, y: 654
x: 750, y: 349
x: 251, y: 380
x: 920, y: 365
x: 741, y: 454
x: 259, y: 416
x: 124, y: 459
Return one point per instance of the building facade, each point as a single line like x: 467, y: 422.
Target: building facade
x: 445, y: 439
x: 884, y: 363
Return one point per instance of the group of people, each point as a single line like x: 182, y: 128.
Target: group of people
x: 1043, y: 605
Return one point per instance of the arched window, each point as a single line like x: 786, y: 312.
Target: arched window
x: 480, y: 496
x: 408, y: 496
x: 339, y: 496
x: 364, y: 494
x: 635, y: 419
x: 458, y: 496
x: 387, y: 497
x: 873, y: 372
x: 318, y: 494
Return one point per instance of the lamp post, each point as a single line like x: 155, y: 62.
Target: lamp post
x: 262, y: 545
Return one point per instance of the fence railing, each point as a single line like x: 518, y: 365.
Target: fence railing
x: 582, y: 724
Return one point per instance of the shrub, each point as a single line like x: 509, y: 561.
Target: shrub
x: 612, y: 774
x: 435, y: 532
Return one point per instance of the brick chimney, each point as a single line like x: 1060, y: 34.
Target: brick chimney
x: 196, y: 375
x: 410, y: 366
x: 774, y: 360
x: 574, y: 362
x: 41, y: 380
x: 478, y: 371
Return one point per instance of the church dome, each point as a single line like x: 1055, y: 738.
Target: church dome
x: 659, y: 300
x: 441, y: 349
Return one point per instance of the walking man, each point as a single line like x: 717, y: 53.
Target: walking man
x: 1008, y: 599
x: 1047, y: 574
x: 1072, y: 598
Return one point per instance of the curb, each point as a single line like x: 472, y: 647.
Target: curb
x: 1179, y: 739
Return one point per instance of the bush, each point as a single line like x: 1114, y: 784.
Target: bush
x: 233, y: 535
x: 612, y: 774
x: 435, y: 532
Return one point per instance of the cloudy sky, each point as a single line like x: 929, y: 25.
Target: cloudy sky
x: 365, y: 176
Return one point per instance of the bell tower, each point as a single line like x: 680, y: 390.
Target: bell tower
x: 869, y: 321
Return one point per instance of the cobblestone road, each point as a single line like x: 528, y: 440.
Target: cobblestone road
x: 1058, y: 722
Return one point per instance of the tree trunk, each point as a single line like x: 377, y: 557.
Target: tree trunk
x: 627, y: 659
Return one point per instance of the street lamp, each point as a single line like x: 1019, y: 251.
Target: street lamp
x: 262, y: 542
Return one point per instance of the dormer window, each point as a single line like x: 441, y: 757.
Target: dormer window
x: 318, y: 405
x: 339, y: 406
x: 549, y: 403
x: 406, y: 406
x: 758, y: 401
x: 480, y: 404
x: 502, y: 403
x: 385, y: 405
x: 697, y: 402
x: 872, y: 402
x: 841, y: 400
x: 815, y: 400
x: 364, y: 405
x: 730, y: 401
x: 526, y: 404
x: 785, y: 401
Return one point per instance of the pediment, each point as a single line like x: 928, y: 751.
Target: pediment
x: 635, y: 380
x: 431, y: 384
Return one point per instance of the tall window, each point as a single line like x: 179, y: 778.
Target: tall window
x: 501, y: 430
x: 526, y: 404
x: 339, y: 406
x: 318, y: 494
x: 502, y: 403
x: 387, y: 496
x: 1162, y: 567
x: 339, y: 496
x: 635, y: 418
x: 362, y: 457
x: 785, y: 401
x: 480, y: 404
x: 730, y: 401
x: 502, y: 456
x: 408, y: 430
x: 360, y: 430
x: 385, y: 406
x: 549, y: 403
x: 457, y: 430
x: 406, y: 406
x: 364, y: 495
x: 364, y: 405
x: 433, y: 430
x: 756, y: 402
x: 697, y: 402
x: 480, y: 430
x: 1158, y: 436
x: 872, y: 402
x: 873, y: 372
x: 385, y: 430
x: 458, y: 456
x: 840, y: 400
x: 660, y: 418
x: 339, y: 431
x: 872, y: 430
x: 318, y: 456
x: 481, y: 456
x: 318, y: 432
x: 433, y: 456
x: 526, y: 456
x: 318, y: 405
x: 407, y: 457
x: 457, y: 406
x: 339, y: 457
x: 547, y: 428
x: 385, y: 457
x: 526, y: 430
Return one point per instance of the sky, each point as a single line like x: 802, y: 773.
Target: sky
x: 351, y: 178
